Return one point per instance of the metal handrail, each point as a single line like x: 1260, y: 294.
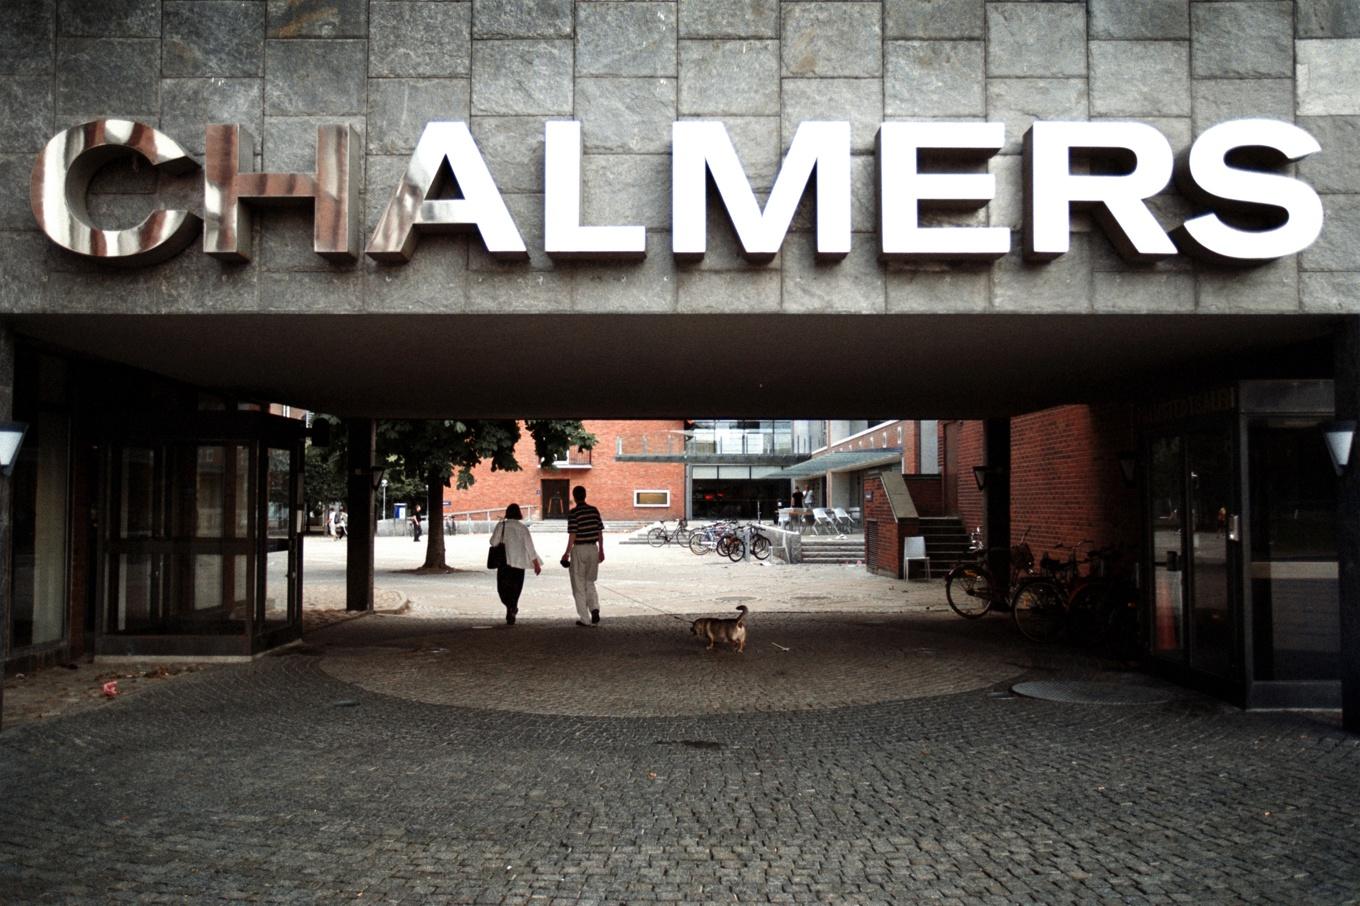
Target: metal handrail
x: 528, y: 509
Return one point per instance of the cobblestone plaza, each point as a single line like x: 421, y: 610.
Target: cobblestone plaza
x: 437, y: 757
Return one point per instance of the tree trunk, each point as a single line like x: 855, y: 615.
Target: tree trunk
x: 434, y: 509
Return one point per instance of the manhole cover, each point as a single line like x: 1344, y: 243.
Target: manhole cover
x: 1087, y: 692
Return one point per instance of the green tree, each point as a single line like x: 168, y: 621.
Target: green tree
x: 436, y: 453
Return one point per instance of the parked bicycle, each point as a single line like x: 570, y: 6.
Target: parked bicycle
x: 660, y: 536
x: 1039, y: 604
x: 1097, y: 607
x: 970, y: 587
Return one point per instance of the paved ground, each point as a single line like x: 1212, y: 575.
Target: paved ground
x: 439, y: 756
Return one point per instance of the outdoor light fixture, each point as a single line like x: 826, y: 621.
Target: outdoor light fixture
x: 980, y: 474
x: 1128, y: 467
x: 11, y: 438
x: 1340, y: 435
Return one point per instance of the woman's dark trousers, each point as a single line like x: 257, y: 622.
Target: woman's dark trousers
x: 509, y: 584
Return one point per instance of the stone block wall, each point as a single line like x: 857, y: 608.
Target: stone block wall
x: 626, y: 71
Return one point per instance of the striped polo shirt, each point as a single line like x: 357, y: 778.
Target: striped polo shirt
x: 585, y: 521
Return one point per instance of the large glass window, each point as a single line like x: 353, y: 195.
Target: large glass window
x: 39, y: 488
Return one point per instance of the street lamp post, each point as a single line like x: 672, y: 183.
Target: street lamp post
x: 384, y: 498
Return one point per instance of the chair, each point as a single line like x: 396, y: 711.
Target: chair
x: 845, y: 519
x: 785, y: 521
x: 914, y: 548
x: 821, y: 517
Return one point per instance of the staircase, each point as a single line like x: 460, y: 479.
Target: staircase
x: 946, y: 543
x: 832, y: 549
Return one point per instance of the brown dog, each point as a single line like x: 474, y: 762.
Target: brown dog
x: 731, y: 631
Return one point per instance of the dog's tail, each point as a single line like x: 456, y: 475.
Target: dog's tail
x: 741, y: 620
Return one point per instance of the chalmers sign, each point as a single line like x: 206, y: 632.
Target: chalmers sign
x: 1250, y: 212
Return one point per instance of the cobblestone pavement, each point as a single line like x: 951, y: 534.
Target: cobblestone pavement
x: 302, y: 778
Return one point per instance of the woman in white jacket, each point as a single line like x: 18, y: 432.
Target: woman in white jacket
x: 519, y: 556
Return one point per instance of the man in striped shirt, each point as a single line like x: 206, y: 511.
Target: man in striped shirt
x: 585, y: 553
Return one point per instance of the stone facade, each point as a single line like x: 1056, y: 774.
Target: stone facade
x: 626, y: 71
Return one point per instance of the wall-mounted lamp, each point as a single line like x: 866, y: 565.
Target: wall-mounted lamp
x: 1340, y: 436
x: 980, y: 474
x: 11, y: 438
x: 1128, y: 468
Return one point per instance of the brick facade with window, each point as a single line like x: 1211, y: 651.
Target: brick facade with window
x: 610, y: 485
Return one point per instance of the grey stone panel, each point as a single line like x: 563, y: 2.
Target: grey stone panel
x: 1269, y: 288
x: 625, y: 115
x: 519, y: 292
x: 1140, y: 78
x: 110, y: 18
x: 132, y: 175
x: 420, y: 39
x: 1143, y: 20
x: 28, y: 40
x: 289, y: 142
x: 522, y: 19
x: 627, y: 189
x: 25, y: 113
x: 1216, y: 100
x: 937, y: 287
x: 527, y: 211
x: 285, y: 242
x: 1327, y: 293
x: 513, y: 149
x: 1338, y: 248
x: 853, y: 285
x: 725, y: 292
x: 934, y: 78
x: 1327, y: 19
x: 1008, y: 207
x: 642, y: 287
x: 1336, y: 168
x: 1036, y: 39
x: 23, y: 272
x: 1171, y: 210
x: 433, y: 281
x: 1176, y: 128
x: 729, y: 19
x: 1328, y: 75
x: 1019, y: 102
x: 310, y: 293
x: 863, y: 202
x: 832, y: 39
x: 315, y: 77
x: 15, y: 211
x: 398, y: 110
x: 720, y: 77
x: 858, y: 100
x: 108, y: 76
x: 522, y: 78
x: 1144, y: 292
x: 724, y: 249
x: 189, y: 105
x: 1061, y: 286
x: 383, y: 173
x: 1242, y: 39
x: 190, y: 282
x: 120, y: 212
x: 756, y: 140
x: 933, y: 19
x: 625, y: 39
x: 212, y: 38
x: 318, y: 19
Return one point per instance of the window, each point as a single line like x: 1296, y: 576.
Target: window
x: 651, y: 498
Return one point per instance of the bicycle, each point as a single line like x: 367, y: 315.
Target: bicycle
x: 706, y: 538
x: 1103, y: 608
x: 969, y: 586
x: 661, y: 536
x: 1039, y: 604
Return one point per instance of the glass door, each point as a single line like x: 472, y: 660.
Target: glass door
x: 1166, y: 488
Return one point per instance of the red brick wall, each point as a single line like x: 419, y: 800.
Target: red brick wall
x: 609, y: 484
x: 882, y: 541
x: 1066, y: 486
x: 927, y: 493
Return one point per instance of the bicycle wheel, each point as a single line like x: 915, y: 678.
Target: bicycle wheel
x: 1088, y: 613
x: 682, y: 536
x: 723, y: 545
x: 657, y: 537
x: 700, y: 543
x: 1039, y: 609
x: 736, y: 549
x: 761, y: 547
x: 968, y: 588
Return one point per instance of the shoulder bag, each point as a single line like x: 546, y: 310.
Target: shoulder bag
x: 495, y: 557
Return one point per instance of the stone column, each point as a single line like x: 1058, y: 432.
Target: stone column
x: 6, y: 555
x: 359, y: 540
x: 996, y: 496
x: 1347, y: 376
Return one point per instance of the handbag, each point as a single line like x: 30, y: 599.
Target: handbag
x: 495, y: 556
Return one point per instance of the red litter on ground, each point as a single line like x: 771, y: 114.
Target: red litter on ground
x: 111, y: 688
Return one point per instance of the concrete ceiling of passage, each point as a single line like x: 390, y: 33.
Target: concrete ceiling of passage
x: 695, y: 366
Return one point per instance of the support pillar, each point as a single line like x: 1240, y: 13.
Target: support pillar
x: 359, y: 540
x: 1347, y: 377
x: 6, y: 553
x: 996, y: 495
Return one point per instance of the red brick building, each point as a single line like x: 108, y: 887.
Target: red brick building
x: 623, y: 491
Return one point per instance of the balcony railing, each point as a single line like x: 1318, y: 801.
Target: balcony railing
x: 680, y: 446
x: 575, y: 459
